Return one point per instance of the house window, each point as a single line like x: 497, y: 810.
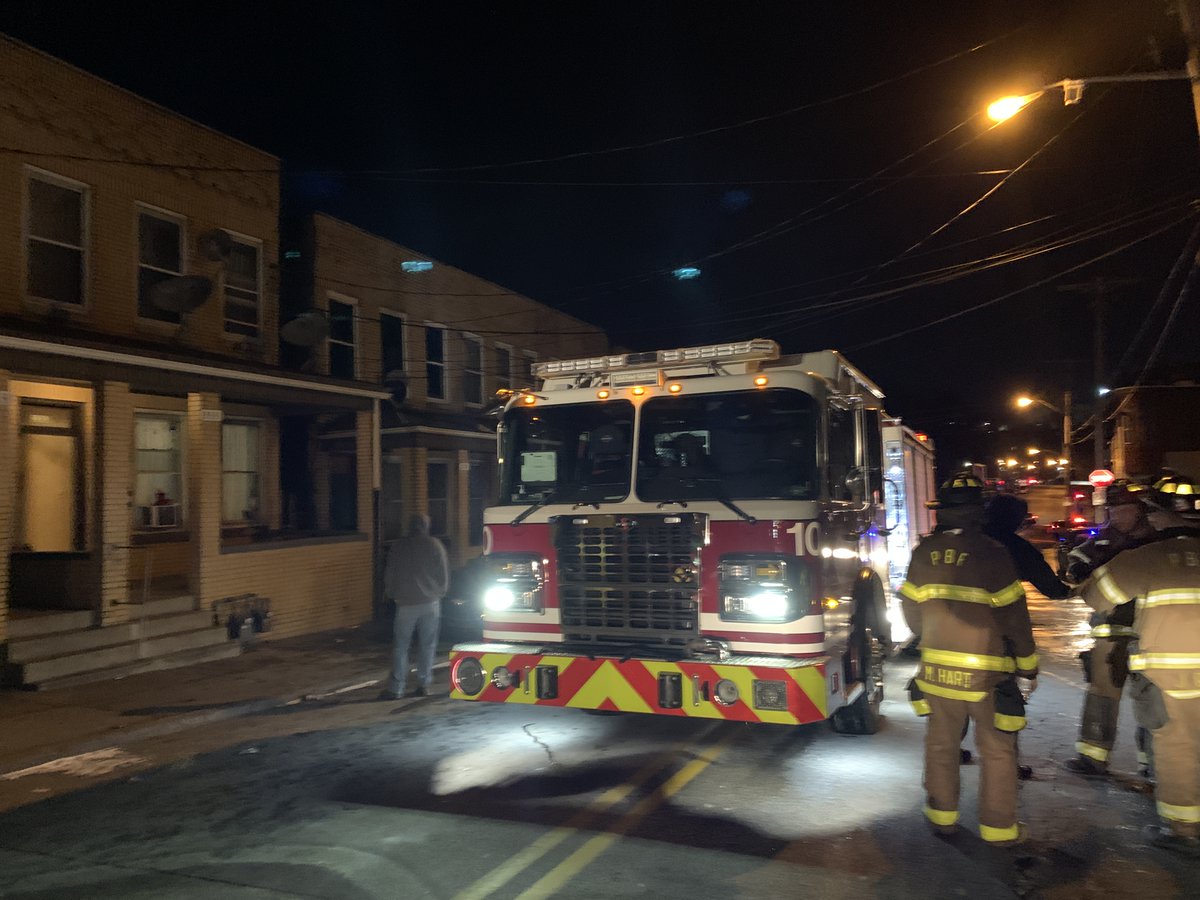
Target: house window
x: 391, y: 339
x: 55, y: 255
x: 342, y: 330
x: 243, y: 289
x: 240, y: 465
x: 477, y: 495
x: 472, y: 370
x: 158, y: 483
x: 525, y: 376
x: 435, y: 362
x: 437, y: 476
x: 503, y: 367
x: 160, y: 256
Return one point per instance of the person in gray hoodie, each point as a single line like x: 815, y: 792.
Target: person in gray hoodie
x: 416, y: 579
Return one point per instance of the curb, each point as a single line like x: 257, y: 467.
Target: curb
x: 187, y: 721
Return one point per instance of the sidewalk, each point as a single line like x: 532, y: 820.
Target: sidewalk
x: 36, y: 727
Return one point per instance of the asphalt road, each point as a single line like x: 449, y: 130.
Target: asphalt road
x: 352, y: 798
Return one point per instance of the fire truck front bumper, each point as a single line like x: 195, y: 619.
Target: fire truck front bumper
x: 775, y: 690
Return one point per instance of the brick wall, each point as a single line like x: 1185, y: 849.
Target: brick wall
x: 315, y: 587
x: 79, y: 127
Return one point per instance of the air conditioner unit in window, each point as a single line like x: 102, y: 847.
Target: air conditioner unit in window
x: 163, y: 515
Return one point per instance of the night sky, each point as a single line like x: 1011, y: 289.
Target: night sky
x: 577, y: 153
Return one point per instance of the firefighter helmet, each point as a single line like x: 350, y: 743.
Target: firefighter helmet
x: 1177, y: 494
x: 961, y: 489
x: 1124, y: 492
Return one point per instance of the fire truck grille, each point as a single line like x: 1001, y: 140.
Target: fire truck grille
x: 629, y: 579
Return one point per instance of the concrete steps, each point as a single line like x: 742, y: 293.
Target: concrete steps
x: 47, y: 651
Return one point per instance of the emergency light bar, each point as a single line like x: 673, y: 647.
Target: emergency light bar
x: 759, y: 348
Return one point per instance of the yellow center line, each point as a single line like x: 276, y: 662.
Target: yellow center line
x: 561, y: 874
x: 504, y: 873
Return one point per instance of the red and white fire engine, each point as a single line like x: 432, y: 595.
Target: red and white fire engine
x: 690, y: 532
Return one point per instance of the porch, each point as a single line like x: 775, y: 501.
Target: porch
x: 132, y: 504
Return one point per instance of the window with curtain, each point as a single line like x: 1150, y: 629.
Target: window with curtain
x: 240, y: 472
x: 158, y: 481
x: 55, y: 256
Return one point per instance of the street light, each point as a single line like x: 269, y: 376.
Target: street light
x: 1072, y: 88
x: 1024, y: 401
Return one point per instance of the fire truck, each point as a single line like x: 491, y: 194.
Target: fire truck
x: 688, y: 532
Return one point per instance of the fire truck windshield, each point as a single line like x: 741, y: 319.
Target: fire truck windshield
x: 740, y: 444
x: 579, y: 453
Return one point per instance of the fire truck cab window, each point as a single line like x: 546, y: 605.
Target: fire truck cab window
x: 752, y: 445
x: 842, y: 452
x: 577, y: 453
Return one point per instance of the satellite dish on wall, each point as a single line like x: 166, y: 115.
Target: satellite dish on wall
x: 181, y: 294
x: 396, y: 381
x: 215, y: 244
x: 306, y: 330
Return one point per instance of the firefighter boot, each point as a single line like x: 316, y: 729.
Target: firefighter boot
x: 1086, y: 766
x: 1169, y: 839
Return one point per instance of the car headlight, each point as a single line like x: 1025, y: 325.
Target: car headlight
x: 767, y: 589
x: 516, y: 583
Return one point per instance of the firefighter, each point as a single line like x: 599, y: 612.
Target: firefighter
x: 1106, y: 664
x: 1164, y: 658
x: 963, y: 597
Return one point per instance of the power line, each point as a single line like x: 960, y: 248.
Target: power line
x: 978, y: 306
x: 744, y: 123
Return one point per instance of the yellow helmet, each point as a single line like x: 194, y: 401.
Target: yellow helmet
x: 1176, y: 493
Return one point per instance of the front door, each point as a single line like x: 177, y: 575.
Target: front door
x: 50, y: 508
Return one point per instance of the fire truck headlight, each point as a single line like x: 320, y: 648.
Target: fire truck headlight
x: 763, y: 588
x: 516, y: 584
x: 498, y: 598
x: 768, y: 605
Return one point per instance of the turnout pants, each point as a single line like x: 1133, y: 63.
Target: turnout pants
x: 1177, y: 765
x: 1107, y: 669
x: 997, y: 759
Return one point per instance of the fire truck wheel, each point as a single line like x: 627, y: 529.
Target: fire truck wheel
x: 862, y: 716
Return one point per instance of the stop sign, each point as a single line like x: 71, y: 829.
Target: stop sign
x: 1101, y: 478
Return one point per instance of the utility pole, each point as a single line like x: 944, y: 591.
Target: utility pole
x: 1066, y: 450
x: 1098, y: 289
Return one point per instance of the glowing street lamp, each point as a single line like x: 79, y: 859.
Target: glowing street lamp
x: 1007, y: 107
x: 1024, y: 401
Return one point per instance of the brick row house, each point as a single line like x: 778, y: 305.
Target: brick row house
x: 168, y: 473
x: 444, y: 342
